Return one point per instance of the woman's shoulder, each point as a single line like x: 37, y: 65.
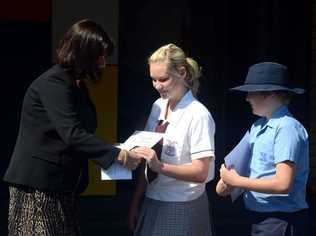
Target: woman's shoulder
x: 55, y: 74
x: 53, y: 81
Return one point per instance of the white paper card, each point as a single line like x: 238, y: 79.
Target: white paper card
x: 116, y: 172
x: 142, y: 139
x: 137, y: 139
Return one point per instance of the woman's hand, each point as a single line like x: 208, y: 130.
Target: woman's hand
x: 229, y: 176
x: 129, y: 159
x: 151, y: 158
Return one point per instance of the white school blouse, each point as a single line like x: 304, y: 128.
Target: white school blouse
x: 189, y: 136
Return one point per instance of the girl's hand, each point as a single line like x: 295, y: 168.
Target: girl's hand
x: 223, y: 189
x: 229, y: 176
x: 151, y: 158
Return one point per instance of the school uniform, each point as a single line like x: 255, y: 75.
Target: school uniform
x: 172, y: 206
x: 279, y: 139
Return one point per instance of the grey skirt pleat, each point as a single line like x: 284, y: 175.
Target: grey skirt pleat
x: 159, y: 218
x: 32, y: 212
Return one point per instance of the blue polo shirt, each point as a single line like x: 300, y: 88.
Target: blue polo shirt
x: 279, y: 139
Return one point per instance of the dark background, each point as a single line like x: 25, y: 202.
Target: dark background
x: 225, y: 37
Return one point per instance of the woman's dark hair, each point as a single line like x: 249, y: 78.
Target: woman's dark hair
x: 81, y: 47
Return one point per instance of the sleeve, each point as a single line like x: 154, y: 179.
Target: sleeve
x: 59, y: 101
x: 288, y: 141
x: 202, y: 136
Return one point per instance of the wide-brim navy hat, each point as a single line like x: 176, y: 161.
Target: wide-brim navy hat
x: 267, y: 76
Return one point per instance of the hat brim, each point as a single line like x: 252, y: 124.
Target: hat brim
x: 265, y: 87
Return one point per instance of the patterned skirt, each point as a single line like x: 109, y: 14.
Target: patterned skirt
x: 158, y: 218
x: 33, y: 212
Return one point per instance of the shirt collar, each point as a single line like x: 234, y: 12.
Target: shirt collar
x: 280, y: 112
x: 185, y: 100
x: 179, y: 109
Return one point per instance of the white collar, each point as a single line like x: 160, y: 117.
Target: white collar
x: 186, y: 99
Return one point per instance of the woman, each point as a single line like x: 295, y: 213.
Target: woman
x: 176, y: 202
x: 276, y: 187
x: 56, y: 138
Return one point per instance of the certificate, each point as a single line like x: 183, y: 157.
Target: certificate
x: 137, y: 139
x: 239, y: 159
x: 115, y: 172
x: 142, y: 139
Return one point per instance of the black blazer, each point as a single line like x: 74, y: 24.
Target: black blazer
x: 56, y: 136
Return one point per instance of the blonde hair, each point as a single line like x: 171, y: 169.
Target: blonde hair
x: 176, y: 58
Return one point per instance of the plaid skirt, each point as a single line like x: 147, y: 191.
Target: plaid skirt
x: 32, y: 212
x: 159, y: 218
